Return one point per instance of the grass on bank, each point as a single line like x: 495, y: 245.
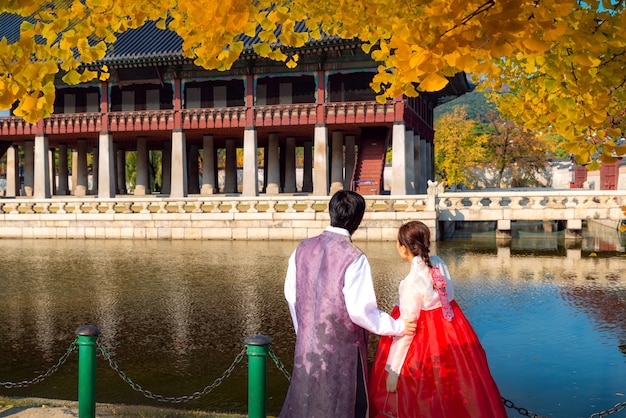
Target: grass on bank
x: 111, y: 410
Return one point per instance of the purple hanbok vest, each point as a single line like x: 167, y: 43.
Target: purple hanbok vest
x: 324, y: 378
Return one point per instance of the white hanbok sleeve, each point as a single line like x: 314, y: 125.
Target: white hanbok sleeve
x: 290, y: 289
x: 361, y: 303
x: 410, y: 307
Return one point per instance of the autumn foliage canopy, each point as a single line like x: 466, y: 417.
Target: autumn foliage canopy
x: 559, y: 63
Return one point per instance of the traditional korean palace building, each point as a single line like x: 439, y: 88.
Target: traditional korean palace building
x: 157, y: 100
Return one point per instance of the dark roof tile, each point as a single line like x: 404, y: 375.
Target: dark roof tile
x: 144, y: 43
x: 147, y: 41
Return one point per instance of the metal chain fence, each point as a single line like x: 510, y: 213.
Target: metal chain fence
x: 185, y: 398
x: 522, y: 411
x: 617, y: 408
x: 279, y: 363
x: 171, y: 399
x: 24, y: 383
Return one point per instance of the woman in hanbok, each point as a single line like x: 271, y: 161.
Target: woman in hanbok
x: 442, y: 370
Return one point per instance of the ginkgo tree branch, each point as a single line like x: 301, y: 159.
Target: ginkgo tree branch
x: 419, y: 45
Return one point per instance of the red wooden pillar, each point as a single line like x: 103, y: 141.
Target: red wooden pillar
x: 398, y: 109
x: 249, y: 84
x: 320, y: 99
x: 177, y: 103
x: 39, y: 127
x: 104, y: 106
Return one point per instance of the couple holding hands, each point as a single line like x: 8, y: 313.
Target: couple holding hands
x: 429, y: 361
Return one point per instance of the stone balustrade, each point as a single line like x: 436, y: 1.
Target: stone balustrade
x: 572, y: 206
x: 285, y: 217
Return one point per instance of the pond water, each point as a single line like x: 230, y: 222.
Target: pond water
x: 175, y: 314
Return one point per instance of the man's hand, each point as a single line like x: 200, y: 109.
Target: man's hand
x: 410, y: 326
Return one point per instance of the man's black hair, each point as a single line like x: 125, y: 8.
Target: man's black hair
x: 346, y: 210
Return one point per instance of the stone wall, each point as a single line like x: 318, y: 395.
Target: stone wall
x: 284, y: 217
x: 215, y: 218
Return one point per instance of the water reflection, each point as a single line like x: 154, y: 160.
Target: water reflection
x: 175, y: 314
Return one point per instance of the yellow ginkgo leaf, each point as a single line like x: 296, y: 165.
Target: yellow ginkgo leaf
x: 535, y: 45
x: 433, y: 82
x: 72, y: 77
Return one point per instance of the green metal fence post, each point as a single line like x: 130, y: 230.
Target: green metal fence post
x: 258, y: 346
x: 87, y: 336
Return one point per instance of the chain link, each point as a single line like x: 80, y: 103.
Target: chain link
x: 279, y: 364
x: 617, y: 408
x: 171, y: 399
x: 522, y: 411
x: 24, y: 383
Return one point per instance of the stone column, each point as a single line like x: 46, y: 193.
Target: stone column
x: 410, y: 162
x: 230, y: 181
x: 142, y: 179
x: 63, y: 189
x: 417, y: 166
x: 320, y: 169
x: 193, y: 180
x: 350, y: 157
x: 307, y: 168
x: 12, y: 172
x: 179, y: 164
x: 336, y: 164
x: 81, y: 169
x: 423, y: 164
x: 29, y: 167
x: 51, y: 172
x: 398, y: 163
x: 208, y: 166
x: 273, y: 167
x: 94, y: 171
x: 106, y: 166
x: 41, y: 184
x: 74, y: 171
x: 166, y: 167
x: 120, y: 168
x: 431, y: 161
x: 250, y: 165
x: 290, y: 165
x: 265, y: 165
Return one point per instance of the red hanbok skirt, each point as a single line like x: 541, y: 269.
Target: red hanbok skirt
x: 445, y: 373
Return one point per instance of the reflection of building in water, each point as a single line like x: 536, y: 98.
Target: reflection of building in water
x: 603, y: 238
x: 107, y: 308
x: 594, y: 285
x: 571, y: 269
x: 252, y: 301
x: 603, y: 297
x: 179, y: 306
x: 44, y: 321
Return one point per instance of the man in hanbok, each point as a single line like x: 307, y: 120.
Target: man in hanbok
x: 330, y: 293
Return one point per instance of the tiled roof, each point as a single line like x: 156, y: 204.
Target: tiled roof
x: 10, y: 26
x: 146, y: 43
x: 149, y: 45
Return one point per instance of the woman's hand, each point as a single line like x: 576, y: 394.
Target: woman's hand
x: 392, y: 381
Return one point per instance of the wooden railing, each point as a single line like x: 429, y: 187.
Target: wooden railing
x: 202, y: 118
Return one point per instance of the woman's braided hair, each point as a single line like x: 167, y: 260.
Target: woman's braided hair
x: 415, y: 236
